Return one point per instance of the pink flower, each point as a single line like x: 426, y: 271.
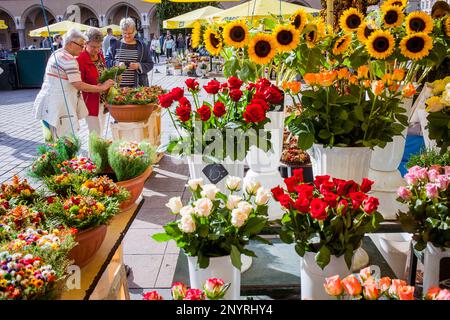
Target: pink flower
x: 214, y: 288
x: 352, y: 285
x: 371, y: 290
x: 443, y: 295
x: 384, y: 284
x: 365, y: 274
x: 178, y: 290
x: 411, y: 178
x: 422, y: 174
x: 442, y: 182
x: 414, y: 169
x: 194, y: 294
x: 432, y: 190
x: 333, y: 286
x: 406, y: 293
x: 153, y: 295
x: 447, y: 170
x: 395, y: 286
x: 432, y: 175
x: 404, y: 193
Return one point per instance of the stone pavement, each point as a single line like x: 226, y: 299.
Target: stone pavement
x: 153, y: 264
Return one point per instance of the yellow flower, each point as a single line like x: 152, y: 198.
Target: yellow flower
x: 213, y: 43
x: 416, y: 46
x: 363, y: 72
x: 100, y: 206
x: 419, y: 21
x: 434, y: 104
x: 380, y: 44
x: 399, y: 3
x: 364, y: 31
x: 393, y: 16
x: 196, y: 35
x: 287, y: 38
x: 398, y: 75
x: 350, y: 20
x: 447, y: 26
x: 262, y: 48
x: 236, y: 34
x: 387, y: 79
x: 299, y: 20
x: 311, y: 35
x: 341, y: 45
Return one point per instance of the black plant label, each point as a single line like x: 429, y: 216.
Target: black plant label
x: 215, y: 172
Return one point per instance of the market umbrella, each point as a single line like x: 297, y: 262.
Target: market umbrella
x: 3, y: 25
x: 59, y: 27
x: 259, y: 9
x: 187, y: 20
x: 115, y: 28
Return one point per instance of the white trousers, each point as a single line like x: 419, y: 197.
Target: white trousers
x: 96, y: 124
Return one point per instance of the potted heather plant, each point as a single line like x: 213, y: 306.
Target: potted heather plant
x: 98, y: 152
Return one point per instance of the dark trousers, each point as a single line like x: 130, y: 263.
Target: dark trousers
x: 155, y: 56
x: 169, y: 53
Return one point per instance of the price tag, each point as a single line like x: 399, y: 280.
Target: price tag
x: 215, y: 172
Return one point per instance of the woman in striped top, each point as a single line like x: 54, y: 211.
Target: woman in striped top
x: 132, y: 53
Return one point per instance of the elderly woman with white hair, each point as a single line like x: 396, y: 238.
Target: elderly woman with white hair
x: 131, y: 52
x: 59, y: 104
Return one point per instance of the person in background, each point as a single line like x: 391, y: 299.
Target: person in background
x: 47, y: 42
x: 107, y: 40
x: 131, y: 52
x: 161, y: 43
x: 440, y: 9
x: 155, y: 48
x: 57, y: 40
x: 58, y: 118
x: 189, y: 42
x: 181, y: 45
x: 168, y: 46
x: 92, y: 64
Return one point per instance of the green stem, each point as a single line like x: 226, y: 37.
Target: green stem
x: 173, y: 121
x: 370, y: 117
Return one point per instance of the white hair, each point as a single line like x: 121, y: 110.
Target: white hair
x: 73, y: 35
x: 126, y: 23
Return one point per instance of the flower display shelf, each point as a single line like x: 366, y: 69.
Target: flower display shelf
x: 131, y: 112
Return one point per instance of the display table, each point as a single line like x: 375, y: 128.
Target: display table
x: 105, y: 277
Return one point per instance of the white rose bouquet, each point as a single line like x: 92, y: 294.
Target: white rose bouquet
x: 214, y: 224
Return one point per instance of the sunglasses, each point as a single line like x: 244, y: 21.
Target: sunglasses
x: 81, y: 46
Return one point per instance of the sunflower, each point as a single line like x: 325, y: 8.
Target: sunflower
x: 446, y: 23
x: 380, y: 44
x: 398, y: 3
x: 213, y: 43
x: 262, y: 48
x: 287, y: 38
x: 236, y: 34
x: 419, y: 21
x: 350, y: 20
x: 342, y: 45
x: 196, y: 35
x: 364, y: 31
x: 299, y: 19
x: 393, y: 16
x: 311, y: 35
x: 416, y: 46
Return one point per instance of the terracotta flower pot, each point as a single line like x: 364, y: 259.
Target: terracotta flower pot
x: 135, y: 187
x: 131, y: 112
x: 89, y: 241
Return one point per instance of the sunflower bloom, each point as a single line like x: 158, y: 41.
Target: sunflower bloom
x: 350, y: 20
x: 311, y: 35
x: 447, y: 26
x: 287, y: 38
x: 393, y: 16
x: 196, y: 35
x: 399, y: 3
x: 213, y: 43
x: 299, y: 20
x: 364, y: 31
x: 380, y: 44
x: 419, y: 21
x: 341, y: 45
x: 262, y: 48
x: 416, y: 46
x: 236, y: 34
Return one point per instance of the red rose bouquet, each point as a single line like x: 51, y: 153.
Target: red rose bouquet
x: 329, y: 217
x: 225, y: 126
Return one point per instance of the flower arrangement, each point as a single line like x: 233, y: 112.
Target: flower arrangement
x: 98, y: 151
x: 64, y: 184
x: 426, y: 195
x: 37, y: 238
x: 133, y: 96
x: 235, y: 117
x: 83, y: 212
x: 4, y: 204
x: 214, y: 225
x: 45, y: 165
x: 103, y: 188
x: 129, y: 159
x: 190, y: 69
x: 327, y: 217
x: 213, y: 289
x: 21, y: 217
x: 111, y: 73
x: 428, y: 158
x: 438, y: 118
x: 367, y: 287
x: 19, y: 189
x: 78, y: 165
x: 25, y: 276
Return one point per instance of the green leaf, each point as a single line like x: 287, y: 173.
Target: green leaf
x: 203, y: 231
x: 323, y: 257
x: 348, y: 255
x: 286, y: 218
x: 306, y: 140
x: 359, y: 112
x: 236, y: 257
x: 286, y: 237
x: 254, y: 226
x: 300, y: 250
x: 324, y: 134
x: 161, y: 237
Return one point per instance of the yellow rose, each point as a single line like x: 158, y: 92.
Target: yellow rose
x: 434, y: 104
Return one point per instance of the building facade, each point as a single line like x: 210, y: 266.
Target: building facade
x: 22, y: 16
x: 427, y: 5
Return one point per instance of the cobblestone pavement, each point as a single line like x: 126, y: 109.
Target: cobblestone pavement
x: 152, y: 264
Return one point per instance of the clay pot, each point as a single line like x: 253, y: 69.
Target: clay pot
x: 89, y: 241
x: 131, y: 112
x: 135, y: 187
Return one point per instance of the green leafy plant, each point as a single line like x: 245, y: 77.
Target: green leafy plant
x: 141, y: 95
x: 98, y: 151
x: 214, y: 224
x: 428, y: 158
x: 111, y: 73
x: 129, y: 160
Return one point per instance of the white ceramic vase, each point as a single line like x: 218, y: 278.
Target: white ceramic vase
x: 220, y: 267
x: 431, y: 265
x: 312, y: 277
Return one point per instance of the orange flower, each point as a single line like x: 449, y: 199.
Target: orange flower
x: 406, y: 293
x: 343, y: 73
x: 394, y: 87
x: 294, y: 86
x: 378, y: 87
x: 409, y: 90
x: 398, y: 75
x: 365, y: 274
x: 352, y: 285
x: 387, y: 79
x: 371, y: 290
x: 366, y: 83
x: 326, y: 79
x: 353, y: 79
x: 363, y: 72
x: 395, y: 286
x: 333, y: 286
x: 432, y: 293
x: 310, y: 78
